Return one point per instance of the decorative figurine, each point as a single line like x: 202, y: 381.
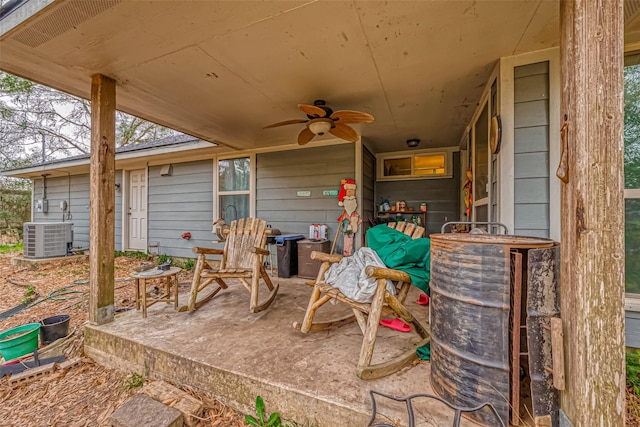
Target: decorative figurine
x: 349, y: 220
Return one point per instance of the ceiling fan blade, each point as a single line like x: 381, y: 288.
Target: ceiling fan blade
x: 312, y: 110
x: 350, y: 116
x: 286, y: 122
x: 305, y: 136
x: 345, y: 132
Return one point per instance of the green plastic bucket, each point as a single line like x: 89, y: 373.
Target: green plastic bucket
x: 18, y: 341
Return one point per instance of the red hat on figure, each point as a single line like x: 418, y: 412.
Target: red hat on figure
x: 345, y: 184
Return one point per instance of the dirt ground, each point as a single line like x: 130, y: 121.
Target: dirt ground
x: 87, y: 394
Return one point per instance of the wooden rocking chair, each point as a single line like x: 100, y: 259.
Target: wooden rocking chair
x: 242, y: 259
x: 368, y: 314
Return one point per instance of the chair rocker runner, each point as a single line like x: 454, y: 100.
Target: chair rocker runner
x: 368, y: 314
x: 242, y: 259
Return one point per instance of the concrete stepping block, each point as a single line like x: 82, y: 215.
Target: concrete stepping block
x: 31, y: 375
x: 144, y: 411
x: 172, y: 396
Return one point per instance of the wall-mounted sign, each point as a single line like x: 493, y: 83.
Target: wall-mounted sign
x: 329, y: 192
x: 304, y: 193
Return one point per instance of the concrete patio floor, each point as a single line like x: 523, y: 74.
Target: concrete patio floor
x: 235, y: 355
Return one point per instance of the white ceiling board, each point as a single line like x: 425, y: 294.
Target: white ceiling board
x: 149, y: 30
x: 314, y: 52
x: 222, y: 70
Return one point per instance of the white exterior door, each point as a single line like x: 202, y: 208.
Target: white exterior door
x: 138, y: 210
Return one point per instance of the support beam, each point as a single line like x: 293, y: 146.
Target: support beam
x: 102, y: 199
x: 592, y: 290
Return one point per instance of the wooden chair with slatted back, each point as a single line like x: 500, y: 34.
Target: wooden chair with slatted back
x: 368, y: 315
x: 242, y: 259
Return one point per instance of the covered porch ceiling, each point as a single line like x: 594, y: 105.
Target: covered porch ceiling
x: 222, y: 70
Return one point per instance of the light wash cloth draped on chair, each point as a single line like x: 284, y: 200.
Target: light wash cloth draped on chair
x: 349, y: 275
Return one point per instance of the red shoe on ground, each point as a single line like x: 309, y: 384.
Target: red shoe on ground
x: 423, y: 299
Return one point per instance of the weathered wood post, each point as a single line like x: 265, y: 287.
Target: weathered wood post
x: 102, y: 199
x: 592, y: 276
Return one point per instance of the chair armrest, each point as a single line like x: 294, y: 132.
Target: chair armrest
x: 207, y: 251
x: 387, y: 273
x: 259, y: 251
x: 324, y: 257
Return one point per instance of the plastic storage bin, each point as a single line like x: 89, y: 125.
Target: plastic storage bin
x: 287, y: 245
x: 307, y: 267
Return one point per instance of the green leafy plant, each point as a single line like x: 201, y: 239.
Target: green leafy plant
x: 7, y: 249
x: 633, y: 371
x: 272, y: 421
x: 132, y: 254
x: 29, y: 294
x: 134, y: 380
x: 188, y: 264
x: 162, y: 259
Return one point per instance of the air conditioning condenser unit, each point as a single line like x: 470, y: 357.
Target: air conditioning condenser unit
x: 47, y: 239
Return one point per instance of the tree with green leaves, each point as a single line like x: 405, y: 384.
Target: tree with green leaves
x: 632, y: 176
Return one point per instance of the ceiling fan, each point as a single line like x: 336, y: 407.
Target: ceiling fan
x: 322, y: 119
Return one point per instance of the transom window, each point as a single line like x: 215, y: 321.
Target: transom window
x: 416, y: 165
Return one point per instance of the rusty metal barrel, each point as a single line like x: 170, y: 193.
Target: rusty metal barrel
x: 470, y: 319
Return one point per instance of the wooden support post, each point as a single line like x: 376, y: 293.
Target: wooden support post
x: 592, y: 203
x: 102, y: 199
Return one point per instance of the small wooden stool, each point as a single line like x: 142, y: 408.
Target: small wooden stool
x: 169, y: 277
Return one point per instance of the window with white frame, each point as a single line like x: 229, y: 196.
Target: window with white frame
x: 234, y: 188
x: 422, y: 164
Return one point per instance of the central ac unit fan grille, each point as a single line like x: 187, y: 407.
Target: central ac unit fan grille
x: 45, y: 240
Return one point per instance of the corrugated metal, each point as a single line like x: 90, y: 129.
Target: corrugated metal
x: 470, y: 313
x: 281, y: 175
x: 531, y: 146
x: 179, y: 203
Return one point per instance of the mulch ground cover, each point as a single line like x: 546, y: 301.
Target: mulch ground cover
x: 87, y: 394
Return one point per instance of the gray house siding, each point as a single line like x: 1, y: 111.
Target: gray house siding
x: 118, y: 210
x: 281, y: 175
x: 75, y: 191
x: 180, y: 203
x: 531, y: 158
x: 632, y: 329
x: 441, y: 195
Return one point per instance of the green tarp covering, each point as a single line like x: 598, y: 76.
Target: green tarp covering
x: 400, y: 252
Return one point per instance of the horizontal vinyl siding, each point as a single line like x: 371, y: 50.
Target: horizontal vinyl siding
x: 180, y: 203
x: 531, y: 150
x: 75, y: 191
x: 441, y: 195
x: 78, y: 204
x: 632, y: 329
x: 118, y: 209
x: 280, y: 175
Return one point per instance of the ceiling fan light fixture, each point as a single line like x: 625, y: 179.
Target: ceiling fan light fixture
x: 413, y: 143
x: 320, y: 127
